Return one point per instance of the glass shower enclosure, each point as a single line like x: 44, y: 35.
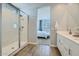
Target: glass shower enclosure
x: 10, y: 29
x: 10, y: 33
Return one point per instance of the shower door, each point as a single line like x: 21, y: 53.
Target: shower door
x: 10, y: 29
x: 23, y: 29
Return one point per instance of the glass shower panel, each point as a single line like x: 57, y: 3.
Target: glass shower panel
x: 10, y: 29
x: 23, y: 27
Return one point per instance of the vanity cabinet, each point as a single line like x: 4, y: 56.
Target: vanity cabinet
x: 66, y: 46
x: 62, y: 46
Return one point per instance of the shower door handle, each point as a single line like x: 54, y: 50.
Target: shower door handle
x: 22, y: 27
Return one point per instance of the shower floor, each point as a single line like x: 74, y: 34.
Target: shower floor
x: 9, y: 48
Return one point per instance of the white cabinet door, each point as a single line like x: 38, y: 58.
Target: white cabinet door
x: 67, y: 47
x: 64, y: 49
x: 74, y: 48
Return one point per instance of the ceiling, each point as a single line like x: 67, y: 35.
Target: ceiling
x: 31, y: 5
x: 37, y: 5
x: 31, y: 8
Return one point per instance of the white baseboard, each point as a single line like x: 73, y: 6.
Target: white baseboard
x: 53, y: 45
x: 32, y: 43
x: 38, y: 44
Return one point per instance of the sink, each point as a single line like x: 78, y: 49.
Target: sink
x: 75, y: 35
x: 75, y: 32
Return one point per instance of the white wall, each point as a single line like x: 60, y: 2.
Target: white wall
x: 52, y: 26
x: 66, y: 16
x: 32, y: 29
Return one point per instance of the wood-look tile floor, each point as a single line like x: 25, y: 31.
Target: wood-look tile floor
x: 38, y: 50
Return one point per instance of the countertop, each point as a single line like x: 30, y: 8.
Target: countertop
x: 70, y: 37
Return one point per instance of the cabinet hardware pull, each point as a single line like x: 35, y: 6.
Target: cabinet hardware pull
x: 69, y: 52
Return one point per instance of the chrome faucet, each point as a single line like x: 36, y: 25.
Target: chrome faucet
x: 70, y: 32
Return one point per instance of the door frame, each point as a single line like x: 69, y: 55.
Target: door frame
x: 50, y: 26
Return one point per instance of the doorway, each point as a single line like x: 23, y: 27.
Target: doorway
x: 43, y: 25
